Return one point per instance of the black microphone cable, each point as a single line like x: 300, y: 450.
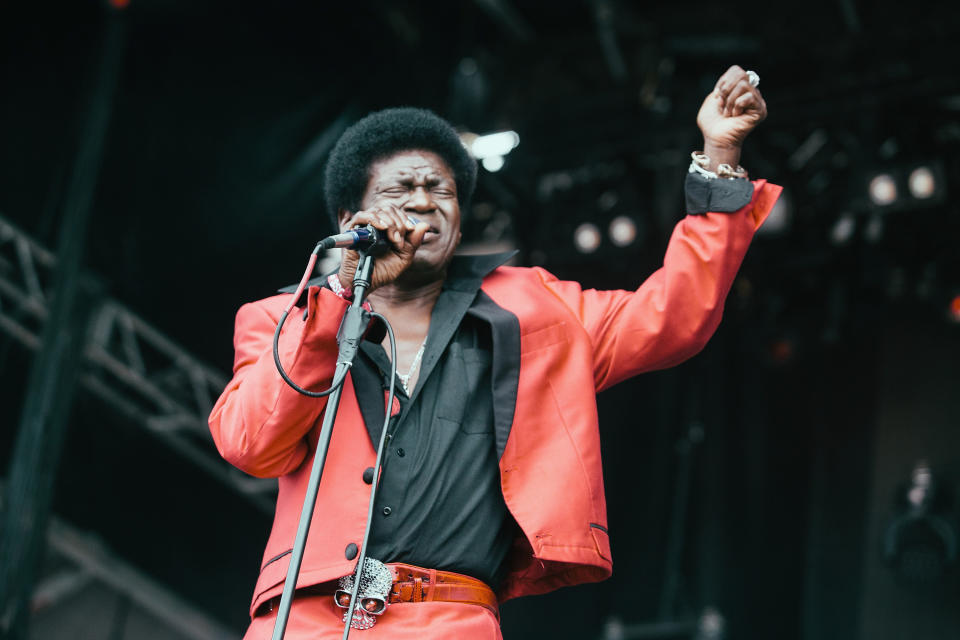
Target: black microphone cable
x: 283, y: 318
x: 366, y: 238
x: 384, y: 436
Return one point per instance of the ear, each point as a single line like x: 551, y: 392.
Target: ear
x: 342, y: 216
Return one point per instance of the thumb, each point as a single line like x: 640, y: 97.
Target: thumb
x: 416, y: 236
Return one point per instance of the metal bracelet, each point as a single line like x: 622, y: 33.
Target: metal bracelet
x: 700, y: 161
x: 726, y: 171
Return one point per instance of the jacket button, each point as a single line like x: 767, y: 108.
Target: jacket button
x: 401, y: 452
x: 351, y: 551
x: 386, y: 511
x: 368, y: 475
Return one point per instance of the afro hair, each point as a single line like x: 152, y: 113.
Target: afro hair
x: 382, y: 134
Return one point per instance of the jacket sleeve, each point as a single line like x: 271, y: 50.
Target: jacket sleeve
x: 260, y: 423
x: 676, y: 310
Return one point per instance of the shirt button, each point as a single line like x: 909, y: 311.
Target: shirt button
x: 351, y: 551
x: 368, y: 475
x: 387, y: 511
x: 401, y: 452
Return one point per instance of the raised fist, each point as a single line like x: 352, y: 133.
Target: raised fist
x: 731, y: 111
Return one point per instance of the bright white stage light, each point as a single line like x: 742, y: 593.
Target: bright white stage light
x: 883, y: 190
x: 493, y: 163
x: 587, y: 238
x: 494, y: 144
x: 623, y: 231
x: 922, y: 183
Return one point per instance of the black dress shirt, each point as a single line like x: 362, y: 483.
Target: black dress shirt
x: 440, y: 503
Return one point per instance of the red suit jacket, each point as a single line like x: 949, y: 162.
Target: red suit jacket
x: 554, y: 346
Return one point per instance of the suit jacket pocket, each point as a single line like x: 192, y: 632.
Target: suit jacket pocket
x: 543, y: 338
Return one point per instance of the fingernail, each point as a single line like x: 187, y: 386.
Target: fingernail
x: 413, y: 220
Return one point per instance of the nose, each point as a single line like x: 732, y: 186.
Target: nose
x: 421, y: 201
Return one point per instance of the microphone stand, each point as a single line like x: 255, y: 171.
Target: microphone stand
x: 352, y: 328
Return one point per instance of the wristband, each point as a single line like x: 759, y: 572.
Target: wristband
x: 720, y: 196
x: 335, y: 285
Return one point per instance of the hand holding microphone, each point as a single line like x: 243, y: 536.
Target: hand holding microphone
x: 362, y: 238
x: 399, y: 236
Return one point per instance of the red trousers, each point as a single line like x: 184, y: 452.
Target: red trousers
x: 318, y: 618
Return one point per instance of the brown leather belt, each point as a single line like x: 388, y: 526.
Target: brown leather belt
x: 414, y: 584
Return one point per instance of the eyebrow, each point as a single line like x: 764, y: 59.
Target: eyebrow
x: 402, y: 176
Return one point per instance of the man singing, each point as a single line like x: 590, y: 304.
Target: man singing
x: 491, y: 484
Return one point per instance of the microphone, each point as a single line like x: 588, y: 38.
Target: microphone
x: 365, y: 237
x: 360, y: 238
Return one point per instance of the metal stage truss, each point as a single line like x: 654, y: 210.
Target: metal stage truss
x: 81, y: 570
x: 128, y: 363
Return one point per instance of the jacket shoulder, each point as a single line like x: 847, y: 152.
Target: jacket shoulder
x: 531, y: 275
x: 270, y: 307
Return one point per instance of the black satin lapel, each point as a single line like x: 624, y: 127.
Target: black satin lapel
x: 368, y: 386
x: 505, y: 365
x: 449, y: 311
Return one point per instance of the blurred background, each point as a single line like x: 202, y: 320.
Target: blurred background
x: 160, y: 164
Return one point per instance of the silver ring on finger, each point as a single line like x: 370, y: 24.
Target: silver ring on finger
x: 753, y: 78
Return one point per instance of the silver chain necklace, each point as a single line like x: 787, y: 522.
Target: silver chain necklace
x: 405, y: 378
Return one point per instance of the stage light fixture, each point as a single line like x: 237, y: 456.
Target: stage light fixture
x: 781, y: 350
x: 492, y: 163
x: 623, y: 231
x: 608, y: 200
x: 922, y: 183
x: 843, y: 229
x: 587, y: 238
x: 490, y: 149
x: 953, y: 310
x: 883, y: 190
x: 907, y: 185
x: 494, y: 144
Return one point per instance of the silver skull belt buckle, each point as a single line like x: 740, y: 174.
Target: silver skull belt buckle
x: 375, y: 584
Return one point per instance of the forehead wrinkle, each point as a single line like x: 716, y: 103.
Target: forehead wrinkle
x: 425, y: 174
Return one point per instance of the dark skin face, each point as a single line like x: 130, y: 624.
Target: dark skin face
x: 416, y: 184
